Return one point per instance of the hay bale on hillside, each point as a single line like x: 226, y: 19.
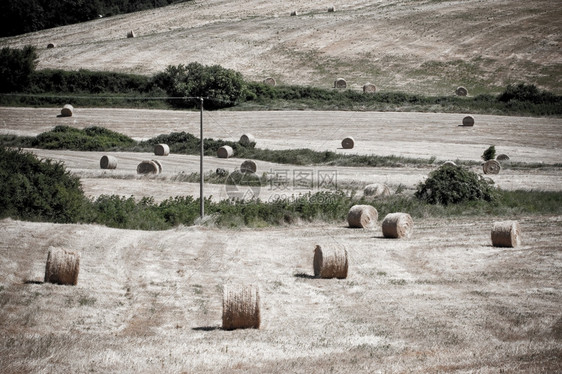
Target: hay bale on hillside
x: 108, y: 162
x: 161, y: 150
x: 330, y: 263
x: 340, y: 83
x: 62, y: 266
x: 502, y: 157
x: 369, y: 88
x: 331, y: 9
x: 362, y: 216
x: 67, y: 110
x: 491, y: 167
x: 397, y: 225
x: 225, y: 151
x: 506, y: 234
x: 468, y: 121
x: 461, y: 91
x: 51, y: 45
x: 270, y: 81
x: 348, y: 143
x: 248, y: 166
x: 247, y: 139
x: 376, y: 190
x: 131, y: 34
x: 148, y: 167
x: 241, y: 307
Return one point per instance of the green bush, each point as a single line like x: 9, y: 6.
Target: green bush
x: 489, y: 154
x: 452, y: 185
x: 89, y: 139
x: 16, y: 67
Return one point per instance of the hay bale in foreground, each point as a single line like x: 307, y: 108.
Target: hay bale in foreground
x: 362, y: 216
x: 131, y: 34
x: 376, y: 189
x: 491, y: 167
x: 330, y: 263
x: 397, y: 225
x: 241, y: 307
x: 461, y: 91
x: 161, y: 150
x: 502, y: 157
x: 468, y: 121
x: 51, y: 45
x: 247, y: 139
x: 369, y: 88
x: 270, y: 81
x: 348, y: 143
x: 148, y: 167
x: 340, y: 83
x: 506, y: 234
x: 62, y: 266
x: 67, y: 110
x: 159, y: 164
x: 108, y: 162
x: 225, y: 151
x: 248, y: 166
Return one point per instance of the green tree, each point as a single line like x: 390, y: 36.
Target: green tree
x: 16, y: 67
x: 489, y: 154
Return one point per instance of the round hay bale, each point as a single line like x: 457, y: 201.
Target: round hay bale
x: 506, y: 234
x: 51, y: 45
x: 247, y: 139
x: 62, y: 266
x: 108, y: 162
x: 159, y: 164
x: 502, y: 157
x: 161, y: 150
x: 330, y: 263
x: 369, y: 88
x: 376, y: 189
x: 331, y: 9
x: 294, y: 13
x: 67, y: 110
x: 461, y: 91
x: 241, y: 307
x: 362, y: 216
x: 448, y: 163
x: 340, y: 83
x: 348, y: 143
x: 491, y: 167
x: 397, y: 225
x: 248, y: 166
x: 270, y: 81
x: 148, y: 167
x: 225, y: 151
x: 468, y: 121
x: 131, y: 34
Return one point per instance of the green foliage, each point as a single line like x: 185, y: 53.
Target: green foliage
x: 16, y: 67
x: 89, y: 139
x: 38, y: 190
x: 452, y: 185
x: 489, y: 154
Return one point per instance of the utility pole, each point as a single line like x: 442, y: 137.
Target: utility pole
x: 201, y: 177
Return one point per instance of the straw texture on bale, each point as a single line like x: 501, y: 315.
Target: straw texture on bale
x: 161, y: 150
x: 491, y: 167
x: 348, y: 143
x: 362, y: 216
x: 468, y: 121
x: 148, y: 167
x: 330, y: 263
x: 159, y: 164
x: 376, y: 189
x: 397, y: 225
x: 270, y: 81
x: 340, y: 83
x: 62, y: 266
x: 225, y: 151
x: 461, y: 91
x: 108, y: 162
x: 502, y: 157
x: 247, y: 139
x: 131, y: 34
x: 506, y: 234
x: 241, y: 307
x: 51, y: 45
x: 369, y: 88
x: 248, y: 166
x: 67, y: 110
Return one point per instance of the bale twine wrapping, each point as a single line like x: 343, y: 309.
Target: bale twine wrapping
x: 51, y: 45
x: 247, y: 139
x: 270, y: 81
x: 131, y: 34
x: 376, y: 190
x: 225, y: 151
x: 159, y: 164
x: 161, y: 150
x: 330, y: 263
x: 468, y: 121
x: 67, y: 110
x: 241, y: 307
x: 461, y: 91
x: 108, y: 162
x: 491, y: 167
x: 62, y: 266
x: 362, y: 216
x: 397, y: 225
x: 340, y: 83
x: 506, y: 234
x: 348, y: 143
x: 369, y: 88
x: 331, y: 9
x: 148, y: 167
x: 248, y: 166
x: 502, y: 157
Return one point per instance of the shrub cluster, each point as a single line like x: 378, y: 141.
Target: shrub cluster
x: 89, y: 139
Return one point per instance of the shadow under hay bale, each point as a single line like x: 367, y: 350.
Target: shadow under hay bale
x: 270, y: 81
x: 461, y: 91
x: 330, y: 263
x: 67, y: 110
x: 376, y: 190
x: 225, y: 151
x: 348, y: 143
x: 369, y: 88
x: 161, y: 150
x: 148, y: 167
x: 362, y: 216
x: 506, y: 234
x: 62, y: 267
x: 248, y: 166
x: 491, y: 167
x: 340, y: 83
x: 468, y: 121
x: 108, y: 162
x: 247, y: 139
x: 397, y: 225
x: 241, y: 307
